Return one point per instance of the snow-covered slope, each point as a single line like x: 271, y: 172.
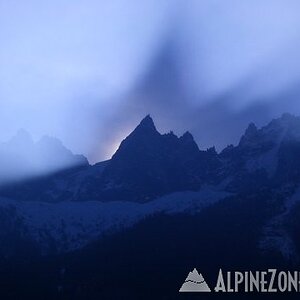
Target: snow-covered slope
x: 66, y: 226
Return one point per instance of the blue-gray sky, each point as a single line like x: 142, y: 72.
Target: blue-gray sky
x: 86, y: 71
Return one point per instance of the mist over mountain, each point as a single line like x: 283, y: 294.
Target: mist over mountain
x: 97, y: 62
x: 149, y: 164
x: 156, y: 144
x: 154, y: 186
x: 22, y: 158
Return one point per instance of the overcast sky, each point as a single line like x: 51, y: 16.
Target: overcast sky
x: 87, y: 71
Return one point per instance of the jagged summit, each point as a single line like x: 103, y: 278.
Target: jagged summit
x: 146, y: 124
x: 147, y: 121
x: 145, y: 139
x: 21, y: 157
x: 153, y: 163
x: 141, y: 140
x: 287, y: 116
x: 23, y: 133
x: 187, y: 136
x: 188, y: 143
x: 22, y: 137
x: 287, y: 126
x: 285, y: 119
x: 251, y: 134
x: 53, y: 151
x: 252, y: 129
x: 149, y: 164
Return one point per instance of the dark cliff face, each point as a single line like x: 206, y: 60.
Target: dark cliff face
x: 148, y: 164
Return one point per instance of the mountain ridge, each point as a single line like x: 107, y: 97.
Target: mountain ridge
x: 153, y: 173
x: 149, y: 164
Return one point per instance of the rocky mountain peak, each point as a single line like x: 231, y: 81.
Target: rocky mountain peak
x: 22, y: 137
x: 146, y: 125
x: 187, y: 136
x: 250, y: 135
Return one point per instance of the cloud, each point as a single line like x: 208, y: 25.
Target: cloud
x: 88, y: 71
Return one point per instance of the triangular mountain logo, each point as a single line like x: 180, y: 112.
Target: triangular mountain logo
x: 194, y: 283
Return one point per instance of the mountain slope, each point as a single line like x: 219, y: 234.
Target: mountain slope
x: 66, y: 226
x: 159, y: 208
x: 22, y: 158
x: 152, y: 173
x: 149, y: 164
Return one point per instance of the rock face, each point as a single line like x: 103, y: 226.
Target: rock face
x: 265, y: 156
x: 148, y: 164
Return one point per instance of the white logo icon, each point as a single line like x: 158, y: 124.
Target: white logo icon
x: 194, y: 283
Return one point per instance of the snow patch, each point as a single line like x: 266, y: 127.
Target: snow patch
x: 72, y: 225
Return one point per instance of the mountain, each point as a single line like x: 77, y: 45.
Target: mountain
x: 149, y: 164
x: 159, y: 206
x: 268, y: 153
x: 16, y: 157
x: 22, y: 158
x: 149, y: 171
x: 54, y: 156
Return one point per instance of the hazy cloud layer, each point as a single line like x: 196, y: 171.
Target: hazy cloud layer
x: 87, y: 71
